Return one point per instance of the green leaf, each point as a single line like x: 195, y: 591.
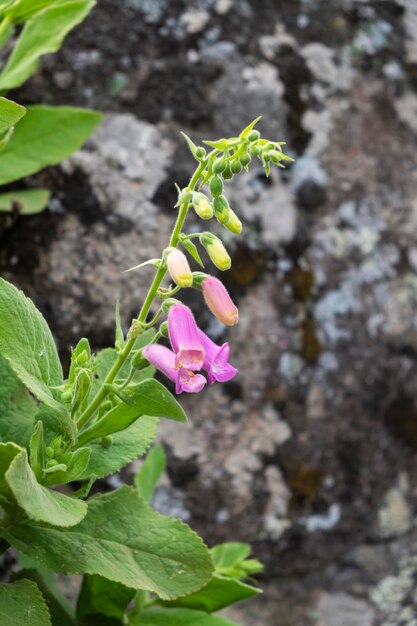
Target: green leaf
x: 22, y: 603
x: 191, y: 249
x: 17, y: 408
x: 27, y: 343
x: 148, y: 397
x: 123, y: 540
x: 37, y: 450
x: 127, y: 445
x: 38, y: 502
x: 104, y: 597
x: 150, y: 473
x: 119, y: 338
x: 28, y: 202
x: 22, y: 10
x: 43, y: 34
x: 229, y: 553
x: 10, y: 114
x: 219, y: 593
x: 8, y: 451
x: 45, y: 136
x: 75, y: 468
x: 177, y: 617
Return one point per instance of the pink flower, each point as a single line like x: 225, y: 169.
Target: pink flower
x: 216, y: 362
x: 183, y: 335
x: 164, y: 360
x: 219, y: 302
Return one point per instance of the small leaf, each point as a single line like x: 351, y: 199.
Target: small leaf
x: 120, y: 338
x: 43, y: 34
x: 75, y: 468
x: 10, y: 114
x: 150, y: 473
x: 28, y: 202
x: 37, y: 450
x: 193, y: 148
x: 45, y: 136
x: 22, y: 603
x: 39, y: 503
x: 245, y: 132
x: 17, y: 408
x: 191, y: 249
x: 123, y: 540
x: 155, y: 262
x: 99, y: 596
x: 220, y: 144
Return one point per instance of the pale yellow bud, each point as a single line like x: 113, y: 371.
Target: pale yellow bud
x: 179, y: 269
x: 202, y: 206
x: 217, y: 252
x: 233, y: 223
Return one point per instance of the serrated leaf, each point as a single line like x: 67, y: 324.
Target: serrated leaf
x: 123, y: 540
x: 42, y: 34
x: 126, y: 446
x: 218, y: 594
x: 45, y: 136
x: 38, y: 502
x: 10, y: 114
x: 150, y: 473
x: 27, y: 202
x: 22, y: 603
x: 17, y: 408
x: 177, y: 617
x: 99, y: 596
x: 27, y: 343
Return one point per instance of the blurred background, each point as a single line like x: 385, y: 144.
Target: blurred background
x: 310, y: 454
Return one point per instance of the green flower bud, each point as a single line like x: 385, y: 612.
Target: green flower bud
x: 82, y: 358
x: 253, y: 135
x: 245, y: 159
x: 233, y: 223
x: 219, y: 166
x: 163, y: 329
x: 200, y: 153
x: 255, y: 150
x: 106, y: 441
x: 66, y: 396
x: 106, y: 406
x: 275, y: 156
x: 216, y: 251
x: 236, y: 166
x: 49, y: 451
x: 51, y: 463
x: 202, y: 206
x: 216, y: 186
x: 227, y: 172
x: 221, y: 209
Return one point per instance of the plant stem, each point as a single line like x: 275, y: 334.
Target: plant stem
x: 156, y: 283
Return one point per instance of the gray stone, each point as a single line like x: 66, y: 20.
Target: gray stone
x: 343, y: 610
x: 309, y: 182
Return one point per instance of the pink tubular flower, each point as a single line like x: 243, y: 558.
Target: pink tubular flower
x: 219, y: 302
x: 164, y: 360
x: 183, y: 335
x: 216, y: 362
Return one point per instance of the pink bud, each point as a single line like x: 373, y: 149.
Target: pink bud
x: 219, y: 302
x: 179, y: 269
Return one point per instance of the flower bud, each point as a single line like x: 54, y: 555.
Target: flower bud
x: 179, y: 268
x: 216, y: 186
x: 219, y: 302
x: 139, y: 362
x: 219, y: 166
x: 244, y: 159
x: 202, y: 206
x: 200, y: 153
x: 216, y: 251
x: 253, y: 135
x: 221, y: 208
x: 236, y: 166
x: 227, y: 172
x: 163, y: 329
x: 255, y: 149
x: 233, y: 223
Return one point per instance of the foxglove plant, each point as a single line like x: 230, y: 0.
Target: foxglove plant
x: 139, y: 567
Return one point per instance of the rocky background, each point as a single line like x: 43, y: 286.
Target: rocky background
x: 310, y: 454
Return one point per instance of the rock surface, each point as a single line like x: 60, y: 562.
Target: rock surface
x: 310, y: 453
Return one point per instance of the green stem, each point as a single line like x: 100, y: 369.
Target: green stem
x: 159, y: 277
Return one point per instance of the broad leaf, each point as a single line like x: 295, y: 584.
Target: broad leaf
x: 45, y: 136
x: 150, y: 472
x: 10, y: 114
x: 123, y: 540
x: 177, y: 617
x: 22, y: 603
x: 75, y: 468
x: 17, y: 408
x: 104, y: 597
x: 27, y: 344
x: 28, y: 202
x: 219, y: 593
x: 148, y: 397
x: 43, y: 34
x: 126, y: 446
x: 22, y: 10
x: 8, y: 451
x: 38, y: 502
